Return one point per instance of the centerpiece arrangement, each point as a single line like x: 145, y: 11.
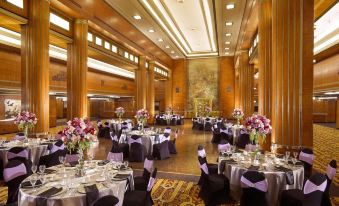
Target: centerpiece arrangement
x: 25, y: 121
x: 169, y: 110
x: 238, y: 114
x: 78, y: 136
x: 120, y: 111
x: 208, y: 110
x: 142, y: 116
x: 258, y: 126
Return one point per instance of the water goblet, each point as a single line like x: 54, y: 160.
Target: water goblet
x: 126, y: 163
x: 33, y: 180
x: 294, y: 161
x: 34, y: 168
x: 295, y: 154
x: 42, y: 169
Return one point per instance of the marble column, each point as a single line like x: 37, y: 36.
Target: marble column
x: 292, y: 72
x: 246, y: 84
x: 35, y: 63
x: 150, y: 90
x: 141, y: 84
x: 77, y: 71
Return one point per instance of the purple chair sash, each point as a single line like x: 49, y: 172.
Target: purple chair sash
x: 117, y: 157
x: 148, y: 165
x: 330, y: 172
x: 130, y: 141
x: 224, y: 147
x: 57, y: 148
x: 202, y: 153
x: 311, y: 187
x: 306, y: 157
x: 164, y: 138
x: 114, y: 137
x: 262, y: 185
x: 243, y: 132
x: 224, y: 131
x: 71, y: 158
x: 13, y: 172
x: 23, y: 153
x: 19, y: 137
x: 168, y: 131
x: 151, y: 183
x: 204, y: 168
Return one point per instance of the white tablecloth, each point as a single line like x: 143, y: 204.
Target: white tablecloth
x: 27, y: 197
x: 276, y: 181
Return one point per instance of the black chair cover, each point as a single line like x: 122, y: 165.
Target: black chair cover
x: 297, y: 197
x: 308, y: 165
x: 106, y: 200
x: 51, y: 160
x: 124, y: 147
x: 141, y: 182
x: 252, y: 196
x: 160, y: 150
x: 171, y: 144
x: 136, y: 153
x: 243, y: 140
x: 330, y: 174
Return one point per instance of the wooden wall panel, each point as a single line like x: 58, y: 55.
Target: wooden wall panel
x: 226, y: 86
x: 52, y: 111
x: 128, y: 103
x: 179, y: 82
x: 324, y: 110
x: 60, y: 109
x: 326, y: 74
x: 159, y: 87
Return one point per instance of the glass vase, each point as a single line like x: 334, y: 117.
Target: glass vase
x: 81, y: 165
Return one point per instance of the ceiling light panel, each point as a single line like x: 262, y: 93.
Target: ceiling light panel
x: 136, y: 17
x: 230, y: 6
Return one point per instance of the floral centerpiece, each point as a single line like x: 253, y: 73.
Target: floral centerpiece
x: 208, y: 110
x: 169, y: 110
x: 238, y: 114
x: 258, y: 126
x: 120, y: 111
x: 142, y: 116
x: 25, y: 121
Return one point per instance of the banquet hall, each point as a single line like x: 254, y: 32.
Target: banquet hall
x: 169, y: 102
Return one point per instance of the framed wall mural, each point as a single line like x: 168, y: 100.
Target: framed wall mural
x: 203, y: 82
x: 12, y: 108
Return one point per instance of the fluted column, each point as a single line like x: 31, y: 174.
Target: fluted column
x: 246, y: 75
x: 337, y: 119
x: 141, y: 84
x: 292, y: 72
x: 168, y: 90
x: 265, y: 57
x: 150, y: 90
x: 77, y: 71
x: 35, y: 63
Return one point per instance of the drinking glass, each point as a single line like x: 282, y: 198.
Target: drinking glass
x: 288, y: 153
x: 34, y: 168
x: 90, y: 156
x: 42, y: 179
x: 295, y: 154
x: 62, y: 160
x: 294, y: 160
x: 42, y: 168
x: 33, y: 180
x: 126, y: 164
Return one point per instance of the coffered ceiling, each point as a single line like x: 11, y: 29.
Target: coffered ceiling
x: 186, y: 28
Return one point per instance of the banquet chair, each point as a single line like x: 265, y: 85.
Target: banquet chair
x: 212, y: 168
x: 52, y: 159
x: 330, y: 174
x: 58, y: 145
x: 136, y: 152
x: 141, y: 198
x: 254, y: 187
x: 223, y: 146
x: 123, y: 145
x: 171, y: 144
x: 215, y: 188
x: 14, y: 173
x: 106, y: 200
x: 160, y: 150
x: 224, y: 133
x: 173, y: 121
x: 107, y: 130
x: 243, y: 139
x: 71, y: 156
x: 140, y: 182
x: 115, y: 154
x: 216, y: 136
x: 19, y: 136
x: 311, y: 194
x: 195, y: 123
x: 208, y: 125
x: 20, y: 153
x: 306, y: 156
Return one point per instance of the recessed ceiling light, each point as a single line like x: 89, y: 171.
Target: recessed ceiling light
x: 228, y: 34
x: 230, y: 6
x: 172, y: 52
x: 176, y: 56
x: 227, y: 53
x: 167, y: 47
x: 160, y: 40
x: 137, y: 17
x: 229, y: 23
x: 227, y: 42
x: 151, y: 31
x: 227, y: 48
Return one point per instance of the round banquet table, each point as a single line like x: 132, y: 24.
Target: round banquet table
x: 35, y: 150
x: 74, y: 194
x: 276, y: 179
x: 148, y: 138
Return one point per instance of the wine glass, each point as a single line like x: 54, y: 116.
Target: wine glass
x: 295, y: 154
x: 33, y: 180
x: 287, y: 153
x: 90, y: 156
x: 42, y: 169
x: 294, y: 160
x: 126, y: 164
x: 42, y: 179
x: 62, y: 160
x: 34, y: 168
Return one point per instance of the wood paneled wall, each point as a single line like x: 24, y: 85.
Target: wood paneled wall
x: 324, y: 110
x: 159, y: 87
x: 179, y: 82
x: 326, y: 74
x: 129, y: 104
x: 102, y: 109
x: 226, y: 86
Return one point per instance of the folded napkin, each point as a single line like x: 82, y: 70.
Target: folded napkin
x: 252, y: 167
x: 288, y: 172
x: 92, y: 194
x: 28, y: 184
x: 103, y: 162
x: 297, y: 163
x: 121, y: 176
x: 223, y: 162
x: 49, y: 171
x: 42, y: 197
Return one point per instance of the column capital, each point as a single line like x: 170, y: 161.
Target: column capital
x: 81, y: 21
